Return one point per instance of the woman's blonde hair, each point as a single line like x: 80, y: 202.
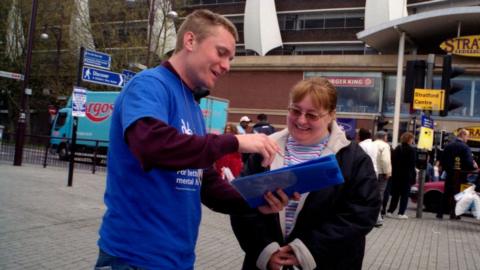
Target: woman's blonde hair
x: 321, y: 91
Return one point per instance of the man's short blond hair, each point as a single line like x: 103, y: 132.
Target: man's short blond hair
x: 463, y: 132
x: 200, y: 23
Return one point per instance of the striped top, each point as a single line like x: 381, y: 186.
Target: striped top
x: 296, y: 153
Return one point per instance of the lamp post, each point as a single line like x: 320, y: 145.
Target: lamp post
x: 57, y: 33
x: 20, y: 134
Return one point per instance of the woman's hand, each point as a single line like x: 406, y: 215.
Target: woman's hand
x: 283, y: 256
x: 276, y: 203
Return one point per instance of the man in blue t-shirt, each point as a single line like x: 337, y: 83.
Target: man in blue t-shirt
x: 160, y: 157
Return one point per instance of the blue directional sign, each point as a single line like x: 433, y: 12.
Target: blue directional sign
x: 101, y: 76
x: 127, y: 75
x: 97, y: 59
x: 427, y: 122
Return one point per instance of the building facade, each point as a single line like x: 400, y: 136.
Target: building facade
x: 319, y: 39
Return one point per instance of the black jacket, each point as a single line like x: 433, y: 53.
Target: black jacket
x: 403, y: 166
x: 332, y: 223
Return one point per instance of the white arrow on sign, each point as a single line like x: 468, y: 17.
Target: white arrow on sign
x: 101, y: 76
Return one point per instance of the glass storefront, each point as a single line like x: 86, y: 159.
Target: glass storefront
x: 476, y: 98
x: 357, y: 92
x: 363, y: 92
x: 469, y: 96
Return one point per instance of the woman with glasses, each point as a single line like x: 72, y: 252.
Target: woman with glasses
x: 325, y: 229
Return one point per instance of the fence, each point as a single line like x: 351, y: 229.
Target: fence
x: 37, y: 150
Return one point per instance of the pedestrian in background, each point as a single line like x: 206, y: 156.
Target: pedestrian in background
x: 244, y: 125
x: 326, y: 229
x: 384, y: 166
x: 457, y: 148
x: 262, y: 126
x: 403, y: 175
x: 232, y: 161
x: 365, y: 141
x: 160, y: 159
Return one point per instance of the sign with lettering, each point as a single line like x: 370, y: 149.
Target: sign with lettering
x: 101, y: 76
x: 351, y: 81
x: 428, y: 99
x: 79, y: 99
x: 465, y: 46
x: 425, y: 138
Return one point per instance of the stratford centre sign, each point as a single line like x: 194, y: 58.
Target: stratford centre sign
x: 465, y: 46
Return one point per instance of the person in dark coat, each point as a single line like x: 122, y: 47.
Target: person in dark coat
x: 403, y: 175
x: 326, y: 229
x: 263, y: 126
x: 457, y: 148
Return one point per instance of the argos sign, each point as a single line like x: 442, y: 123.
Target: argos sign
x: 465, y: 46
x: 99, y: 111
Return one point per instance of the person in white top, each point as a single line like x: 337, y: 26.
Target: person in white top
x: 365, y: 141
x: 384, y: 165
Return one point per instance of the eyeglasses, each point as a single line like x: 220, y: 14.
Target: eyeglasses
x: 311, y: 116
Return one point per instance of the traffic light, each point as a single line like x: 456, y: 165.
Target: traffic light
x: 443, y: 139
x: 414, y: 78
x: 448, y: 73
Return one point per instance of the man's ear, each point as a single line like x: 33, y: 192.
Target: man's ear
x: 189, y: 40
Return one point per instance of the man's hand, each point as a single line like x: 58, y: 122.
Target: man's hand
x: 276, y: 203
x: 258, y: 143
x: 283, y: 256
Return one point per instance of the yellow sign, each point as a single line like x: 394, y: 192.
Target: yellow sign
x: 429, y: 99
x: 466, y: 46
x: 425, y: 138
x: 474, y: 133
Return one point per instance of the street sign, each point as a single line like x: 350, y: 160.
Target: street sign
x: 127, y: 75
x: 425, y: 139
x: 79, y: 99
x: 429, y: 99
x: 100, y: 76
x: 11, y: 75
x: 97, y: 59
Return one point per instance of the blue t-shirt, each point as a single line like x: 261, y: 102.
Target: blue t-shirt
x: 152, y: 218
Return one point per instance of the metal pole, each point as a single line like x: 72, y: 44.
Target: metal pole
x: 71, y: 165
x: 20, y: 134
x: 422, y: 172
x: 421, y: 183
x: 398, y: 89
x: 151, y: 19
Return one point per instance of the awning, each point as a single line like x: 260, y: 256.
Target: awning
x: 425, y: 31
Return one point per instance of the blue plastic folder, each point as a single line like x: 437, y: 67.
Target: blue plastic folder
x: 304, y: 177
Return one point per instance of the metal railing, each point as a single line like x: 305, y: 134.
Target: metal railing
x: 37, y: 150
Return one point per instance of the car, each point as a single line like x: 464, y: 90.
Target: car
x: 433, y: 191
x: 432, y: 195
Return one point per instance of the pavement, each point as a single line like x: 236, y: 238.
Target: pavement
x: 46, y: 225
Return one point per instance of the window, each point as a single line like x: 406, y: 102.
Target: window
x: 335, y: 23
x: 476, y: 98
x: 61, y: 119
x: 357, y: 92
x: 354, y: 22
x: 464, y: 96
x: 313, y: 24
x: 389, y: 96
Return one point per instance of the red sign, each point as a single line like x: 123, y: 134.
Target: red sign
x: 351, y: 81
x: 98, y: 112
x: 52, y: 110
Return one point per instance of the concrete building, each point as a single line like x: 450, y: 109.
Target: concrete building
x: 320, y: 39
